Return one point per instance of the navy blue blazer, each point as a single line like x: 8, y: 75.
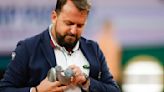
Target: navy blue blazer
x: 35, y: 56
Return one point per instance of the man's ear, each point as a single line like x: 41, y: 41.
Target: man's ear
x: 53, y: 17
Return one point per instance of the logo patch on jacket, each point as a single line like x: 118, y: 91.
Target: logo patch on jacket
x: 13, y: 54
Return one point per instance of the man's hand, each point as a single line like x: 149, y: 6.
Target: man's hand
x: 47, y: 86
x: 78, y: 78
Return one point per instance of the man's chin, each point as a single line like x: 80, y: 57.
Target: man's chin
x: 70, y: 44
x: 71, y: 40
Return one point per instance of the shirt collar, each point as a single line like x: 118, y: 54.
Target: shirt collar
x: 54, y: 44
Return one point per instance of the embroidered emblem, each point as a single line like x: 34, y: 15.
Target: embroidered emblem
x: 13, y: 54
x: 86, y: 66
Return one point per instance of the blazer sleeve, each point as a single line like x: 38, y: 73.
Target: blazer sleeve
x: 106, y: 82
x: 15, y: 77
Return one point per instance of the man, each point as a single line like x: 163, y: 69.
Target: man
x: 62, y: 45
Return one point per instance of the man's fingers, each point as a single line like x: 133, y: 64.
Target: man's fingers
x: 62, y: 88
x: 76, y: 70
x: 57, y: 84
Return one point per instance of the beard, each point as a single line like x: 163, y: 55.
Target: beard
x: 64, y: 42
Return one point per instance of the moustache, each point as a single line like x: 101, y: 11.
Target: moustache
x: 72, y: 35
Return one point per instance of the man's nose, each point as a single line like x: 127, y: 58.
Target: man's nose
x: 74, y: 29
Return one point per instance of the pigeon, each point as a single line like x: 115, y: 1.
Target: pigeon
x: 58, y: 74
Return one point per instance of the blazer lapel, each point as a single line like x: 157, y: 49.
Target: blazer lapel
x: 47, y: 49
x: 88, y: 52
